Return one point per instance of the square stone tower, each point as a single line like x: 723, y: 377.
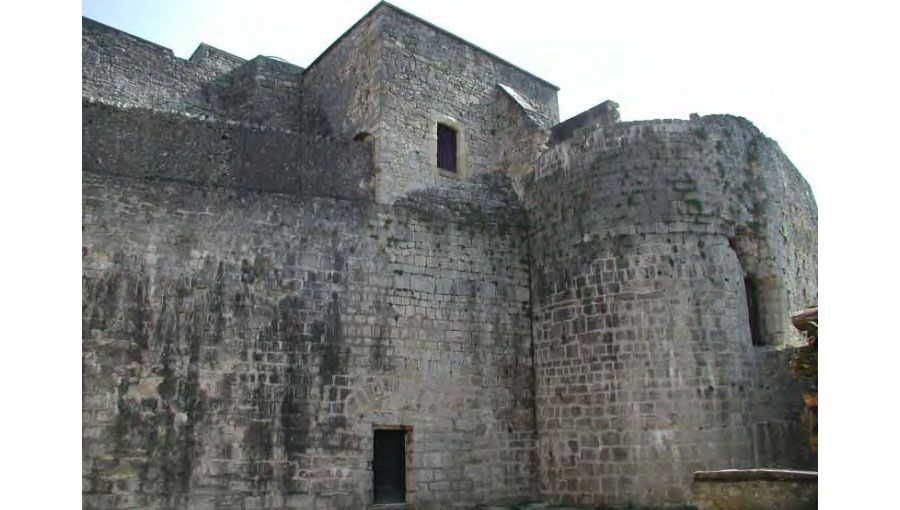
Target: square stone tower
x: 396, y: 81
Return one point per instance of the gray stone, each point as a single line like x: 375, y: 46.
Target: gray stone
x: 274, y: 266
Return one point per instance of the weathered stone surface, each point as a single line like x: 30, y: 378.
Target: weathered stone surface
x: 431, y: 76
x: 604, y: 114
x: 240, y: 346
x: 120, y: 68
x: 170, y: 146
x: 756, y: 489
x: 273, y: 266
x: 645, y: 370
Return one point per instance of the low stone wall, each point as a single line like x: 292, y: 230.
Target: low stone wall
x: 169, y: 146
x: 752, y: 489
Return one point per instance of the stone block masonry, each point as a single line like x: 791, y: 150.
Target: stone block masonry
x: 645, y: 369
x: 171, y: 146
x: 431, y: 76
x: 240, y: 347
x: 274, y: 268
x: 123, y: 68
x: 756, y: 489
x: 120, y: 68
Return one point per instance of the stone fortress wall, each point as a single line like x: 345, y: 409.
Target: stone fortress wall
x: 388, y: 78
x: 155, y: 145
x: 250, y: 313
x: 645, y: 369
x: 239, y: 347
x: 120, y: 68
x: 431, y: 76
x: 273, y: 268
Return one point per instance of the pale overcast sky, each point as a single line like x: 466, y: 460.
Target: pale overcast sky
x: 657, y: 59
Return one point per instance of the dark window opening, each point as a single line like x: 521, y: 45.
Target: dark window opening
x: 753, y: 311
x: 389, y: 466
x: 446, y: 148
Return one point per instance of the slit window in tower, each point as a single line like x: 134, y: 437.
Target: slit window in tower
x: 446, y: 148
x: 753, y: 311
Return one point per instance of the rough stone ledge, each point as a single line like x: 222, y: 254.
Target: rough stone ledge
x: 754, y: 475
x: 174, y: 147
x: 204, y: 117
x: 806, y: 320
x: 587, y: 129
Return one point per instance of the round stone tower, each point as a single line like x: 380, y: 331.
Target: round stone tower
x: 667, y: 257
